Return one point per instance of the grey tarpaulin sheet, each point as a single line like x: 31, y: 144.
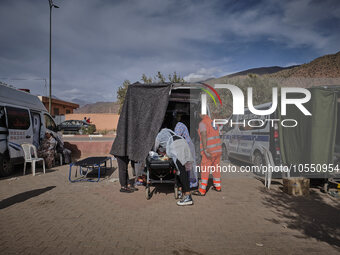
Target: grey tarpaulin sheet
x: 140, y: 120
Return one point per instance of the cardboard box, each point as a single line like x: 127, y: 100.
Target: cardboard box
x: 296, y: 186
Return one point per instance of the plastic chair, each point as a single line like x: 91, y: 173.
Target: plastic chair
x: 28, y: 156
x: 270, y: 162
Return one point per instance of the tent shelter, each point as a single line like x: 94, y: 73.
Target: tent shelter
x: 316, y: 138
x: 140, y: 120
x: 148, y: 108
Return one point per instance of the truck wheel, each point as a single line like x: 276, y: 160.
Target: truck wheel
x: 6, y: 166
x: 258, y: 159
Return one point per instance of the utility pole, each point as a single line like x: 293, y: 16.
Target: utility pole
x: 50, y: 97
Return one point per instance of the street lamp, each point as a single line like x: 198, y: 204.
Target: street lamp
x: 50, y: 98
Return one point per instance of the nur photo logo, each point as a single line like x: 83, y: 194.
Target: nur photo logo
x: 239, y: 104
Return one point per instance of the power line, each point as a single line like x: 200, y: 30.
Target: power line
x: 27, y: 79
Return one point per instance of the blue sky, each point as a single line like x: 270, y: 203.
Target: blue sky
x: 99, y: 44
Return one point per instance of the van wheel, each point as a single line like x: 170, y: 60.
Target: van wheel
x: 6, y: 166
x: 258, y: 159
x: 224, y: 153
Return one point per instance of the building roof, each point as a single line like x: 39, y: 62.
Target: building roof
x: 58, y: 101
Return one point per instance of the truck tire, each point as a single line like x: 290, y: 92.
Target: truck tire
x: 258, y: 159
x: 6, y: 167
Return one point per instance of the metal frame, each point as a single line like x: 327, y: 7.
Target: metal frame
x: 84, y: 174
x: 150, y: 182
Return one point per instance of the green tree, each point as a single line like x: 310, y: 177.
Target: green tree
x: 121, y: 92
x: 175, y: 78
x: 158, y: 78
x: 146, y: 80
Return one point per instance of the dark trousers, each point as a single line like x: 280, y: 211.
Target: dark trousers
x: 123, y: 162
x: 183, y: 177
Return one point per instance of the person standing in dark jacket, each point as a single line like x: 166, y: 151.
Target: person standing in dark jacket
x: 123, y: 162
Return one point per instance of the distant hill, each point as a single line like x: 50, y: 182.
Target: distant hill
x: 327, y: 66
x: 81, y: 102
x: 99, y: 107
x: 262, y: 70
x: 321, y: 71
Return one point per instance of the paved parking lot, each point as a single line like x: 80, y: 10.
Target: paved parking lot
x: 45, y: 214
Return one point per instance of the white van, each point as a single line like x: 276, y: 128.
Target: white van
x: 23, y: 119
x: 243, y: 142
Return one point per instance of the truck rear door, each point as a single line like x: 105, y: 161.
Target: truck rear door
x: 19, y: 130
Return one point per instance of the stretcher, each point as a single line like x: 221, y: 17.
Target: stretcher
x: 88, y: 165
x: 160, y: 171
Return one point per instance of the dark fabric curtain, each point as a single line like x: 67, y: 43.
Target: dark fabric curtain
x: 313, y: 140
x: 140, y: 120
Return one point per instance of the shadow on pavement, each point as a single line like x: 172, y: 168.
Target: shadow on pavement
x: 262, y: 180
x: 103, y: 172
x: 311, y: 216
x: 23, y: 197
x: 18, y: 170
x: 162, y: 188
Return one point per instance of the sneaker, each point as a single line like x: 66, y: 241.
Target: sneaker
x: 218, y: 190
x: 125, y: 190
x: 187, y: 200
x: 132, y: 188
x: 198, y: 193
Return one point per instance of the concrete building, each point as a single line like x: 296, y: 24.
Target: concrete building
x: 59, y: 107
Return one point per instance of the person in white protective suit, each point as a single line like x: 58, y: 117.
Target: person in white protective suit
x: 178, y: 149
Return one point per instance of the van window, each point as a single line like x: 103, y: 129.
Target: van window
x: 2, y: 117
x: 227, y: 127
x: 49, y: 123
x: 18, y: 118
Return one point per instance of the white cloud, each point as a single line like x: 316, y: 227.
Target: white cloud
x: 202, y: 74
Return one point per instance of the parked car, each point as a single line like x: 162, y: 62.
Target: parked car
x: 76, y: 126
x: 23, y: 119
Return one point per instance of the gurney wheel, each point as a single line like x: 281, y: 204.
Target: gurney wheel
x: 147, y: 193
x: 176, y: 191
